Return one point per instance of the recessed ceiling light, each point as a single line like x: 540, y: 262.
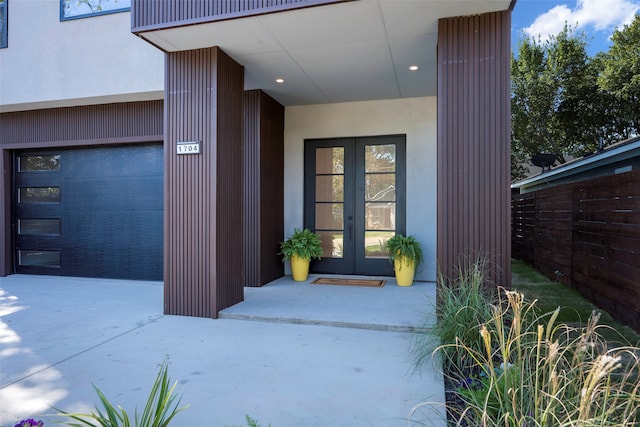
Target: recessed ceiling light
x: 279, y: 80
x: 414, y: 68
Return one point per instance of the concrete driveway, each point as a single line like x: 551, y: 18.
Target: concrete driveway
x: 291, y: 354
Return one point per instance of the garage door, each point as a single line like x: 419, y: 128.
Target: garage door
x: 90, y: 212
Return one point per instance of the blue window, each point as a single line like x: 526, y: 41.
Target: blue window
x: 74, y: 9
x: 3, y: 23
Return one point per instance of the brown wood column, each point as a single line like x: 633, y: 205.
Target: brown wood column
x: 203, y: 192
x: 474, y: 142
x: 263, y: 188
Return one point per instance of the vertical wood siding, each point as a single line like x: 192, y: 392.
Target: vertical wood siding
x: 203, y: 207
x: 82, y: 125
x: 263, y: 187
x: 55, y: 127
x: 156, y: 14
x: 229, y: 178
x: 251, y: 192
x: 473, y: 142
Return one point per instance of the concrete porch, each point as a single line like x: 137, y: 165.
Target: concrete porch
x: 390, y: 308
x: 291, y: 354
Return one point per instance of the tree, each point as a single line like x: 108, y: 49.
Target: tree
x: 532, y: 101
x: 620, y: 77
x: 556, y: 104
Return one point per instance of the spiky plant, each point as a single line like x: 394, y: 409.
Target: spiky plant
x: 160, y: 409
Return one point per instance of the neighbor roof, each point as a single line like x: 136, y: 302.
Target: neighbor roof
x: 624, y: 150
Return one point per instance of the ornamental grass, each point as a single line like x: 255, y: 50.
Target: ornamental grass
x: 519, y: 367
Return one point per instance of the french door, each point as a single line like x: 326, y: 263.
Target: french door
x: 355, y: 201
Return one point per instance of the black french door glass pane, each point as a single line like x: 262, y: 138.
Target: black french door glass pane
x: 354, y: 199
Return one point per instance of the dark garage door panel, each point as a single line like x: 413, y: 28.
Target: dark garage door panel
x: 111, y: 212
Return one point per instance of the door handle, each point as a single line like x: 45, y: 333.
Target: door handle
x: 350, y: 231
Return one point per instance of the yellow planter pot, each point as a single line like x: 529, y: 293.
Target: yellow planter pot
x: 405, y: 270
x: 299, y: 268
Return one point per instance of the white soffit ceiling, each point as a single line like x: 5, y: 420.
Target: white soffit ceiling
x: 352, y: 51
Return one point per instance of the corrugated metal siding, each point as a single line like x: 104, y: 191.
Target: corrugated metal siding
x: 203, y: 208
x: 263, y: 187
x: 149, y: 15
x: 70, y: 126
x: 473, y: 142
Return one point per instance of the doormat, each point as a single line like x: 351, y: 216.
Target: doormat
x: 349, y: 282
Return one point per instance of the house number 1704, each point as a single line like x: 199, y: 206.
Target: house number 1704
x: 189, y: 147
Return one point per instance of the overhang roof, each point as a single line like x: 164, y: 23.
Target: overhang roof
x: 353, y: 51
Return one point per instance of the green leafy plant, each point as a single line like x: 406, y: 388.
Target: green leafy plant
x: 406, y: 248
x: 160, y: 409
x: 303, y: 244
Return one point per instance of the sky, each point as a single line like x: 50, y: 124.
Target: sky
x: 597, y: 18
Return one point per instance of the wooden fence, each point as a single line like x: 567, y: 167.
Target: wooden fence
x: 586, y: 235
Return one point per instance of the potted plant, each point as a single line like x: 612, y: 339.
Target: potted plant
x: 406, y: 254
x: 300, y: 248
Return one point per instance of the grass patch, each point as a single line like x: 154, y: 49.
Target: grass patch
x: 575, y: 310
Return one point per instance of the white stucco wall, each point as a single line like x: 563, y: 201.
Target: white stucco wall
x: 93, y: 60
x: 414, y: 117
